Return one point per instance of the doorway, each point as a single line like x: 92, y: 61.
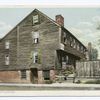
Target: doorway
x: 34, y: 75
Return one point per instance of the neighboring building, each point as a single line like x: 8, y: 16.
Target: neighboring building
x: 37, y: 49
x: 92, y: 54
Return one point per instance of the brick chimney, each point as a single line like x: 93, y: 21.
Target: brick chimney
x: 60, y: 20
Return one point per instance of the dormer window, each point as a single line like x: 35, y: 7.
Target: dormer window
x: 7, y: 60
x: 35, y: 36
x: 35, y: 19
x: 7, y: 45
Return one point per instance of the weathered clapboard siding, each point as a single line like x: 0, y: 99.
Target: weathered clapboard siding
x: 70, y: 49
x: 48, y: 42
x: 12, y: 51
x: 22, y: 45
x: 88, y: 69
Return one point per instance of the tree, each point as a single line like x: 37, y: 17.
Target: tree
x: 92, y: 53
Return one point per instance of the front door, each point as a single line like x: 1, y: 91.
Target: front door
x: 34, y: 75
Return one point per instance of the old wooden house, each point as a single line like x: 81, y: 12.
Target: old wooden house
x: 37, y: 48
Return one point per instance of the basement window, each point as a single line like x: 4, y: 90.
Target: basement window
x: 7, y: 60
x: 23, y: 74
x: 46, y: 74
x: 7, y: 45
x: 35, y: 19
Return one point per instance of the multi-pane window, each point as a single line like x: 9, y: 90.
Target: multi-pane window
x: 23, y: 74
x: 7, y: 60
x: 7, y: 45
x: 35, y: 19
x: 35, y: 37
x: 46, y: 74
x: 67, y: 58
x: 35, y: 57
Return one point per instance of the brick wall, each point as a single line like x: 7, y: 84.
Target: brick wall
x: 40, y: 77
x: 52, y: 75
x: 13, y: 77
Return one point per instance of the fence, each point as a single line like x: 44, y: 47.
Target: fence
x: 88, y: 69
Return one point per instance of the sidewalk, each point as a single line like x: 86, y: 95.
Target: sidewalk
x: 53, y: 85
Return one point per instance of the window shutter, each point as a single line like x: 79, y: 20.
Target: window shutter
x: 39, y: 56
x: 31, y: 55
x: 35, y: 19
x: 35, y: 37
x: 36, y: 34
x: 7, y: 45
x: 7, y: 60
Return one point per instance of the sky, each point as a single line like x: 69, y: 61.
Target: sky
x: 50, y: 2
x: 81, y: 22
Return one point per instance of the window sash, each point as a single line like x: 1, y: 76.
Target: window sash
x: 35, y: 56
x: 36, y: 40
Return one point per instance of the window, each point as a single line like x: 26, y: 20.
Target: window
x: 23, y: 74
x: 46, y: 74
x: 71, y: 41
x: 35, y: 56
x: 35, y: 36
x: 78, y: 46
x: 7, y: 45
x: 74, y: 43
x: 64, y: 37
x: 63, y: 59
x: 67, y: 58
x: 35, y: 19
x: 7, y: 60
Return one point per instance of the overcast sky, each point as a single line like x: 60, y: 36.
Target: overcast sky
x: 82, y: 22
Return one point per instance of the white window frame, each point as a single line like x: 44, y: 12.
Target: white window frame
x: 7, y: 45
x: 36, y: 40
x: 35, y: 19
x: 35, y: 54
x: 7, y: 60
